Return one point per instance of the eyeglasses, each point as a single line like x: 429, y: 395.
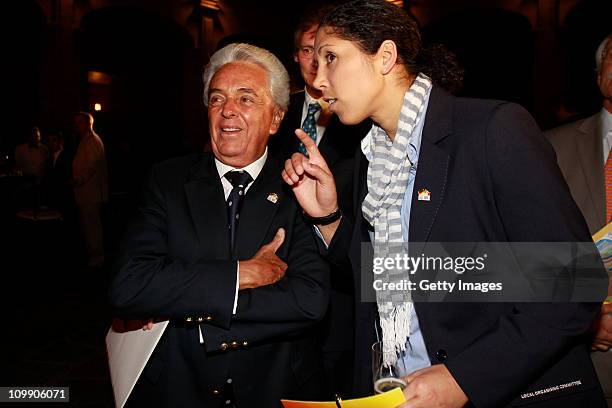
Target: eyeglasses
x: 306, y: 52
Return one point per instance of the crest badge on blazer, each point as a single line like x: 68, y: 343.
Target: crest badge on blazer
x: 424, y: 195
x: 273, y: 198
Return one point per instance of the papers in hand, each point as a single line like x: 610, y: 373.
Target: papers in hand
x: 129, y: 348
x: 603, y: 241
x: 389, y: 399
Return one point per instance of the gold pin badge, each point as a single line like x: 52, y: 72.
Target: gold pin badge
x: 273, y: 197
x: 424, y: 195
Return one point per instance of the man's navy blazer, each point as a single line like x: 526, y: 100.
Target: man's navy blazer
x: 176, y: 263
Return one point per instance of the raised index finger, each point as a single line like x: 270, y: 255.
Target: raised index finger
x: 309, y: 144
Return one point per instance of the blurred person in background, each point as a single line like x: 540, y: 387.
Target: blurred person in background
x: 30, y: 162
x: 89, y: 180
x: 31, y: 157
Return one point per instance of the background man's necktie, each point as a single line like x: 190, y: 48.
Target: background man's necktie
x: 310, y: 124
x: 240, y: 179
x: 608, y: 175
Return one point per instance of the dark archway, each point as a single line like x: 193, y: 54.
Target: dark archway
x: 143, y: 57
x: 22, y: 58
x: 495, y: 47
x: 586, y: 26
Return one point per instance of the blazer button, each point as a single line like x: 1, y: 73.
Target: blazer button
x: 200, y: 319
x: 234, y: 344
x: 188, y: 319
x: 216, y: 391
x: 441, y: 355
x: 223, y: 346
x: 208, y: 318
x: 245, y: 343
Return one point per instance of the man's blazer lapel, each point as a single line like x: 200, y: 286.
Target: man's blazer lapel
x: 335, y: 140
x: 294, y: 120
x: 261, y: 202
x: 590, y: 151
x: 432, y: 166
x: 207, y: 207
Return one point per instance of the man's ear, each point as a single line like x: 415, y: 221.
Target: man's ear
x: 295, y: 57
x: 599, y: 78
x: 387, y: 52
x: 277, y: 118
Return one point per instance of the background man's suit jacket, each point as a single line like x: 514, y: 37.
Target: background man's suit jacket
x: 492, y: 177
x: 579, y: 149
x: 176, y: 263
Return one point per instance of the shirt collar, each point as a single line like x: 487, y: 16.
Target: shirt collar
x: 414, y: 145
x: 309, y: 99
x: 253, y: 169
x: 606, y: 121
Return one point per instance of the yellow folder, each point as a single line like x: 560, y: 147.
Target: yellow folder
x: 603, y: 241
x: 389, y: 399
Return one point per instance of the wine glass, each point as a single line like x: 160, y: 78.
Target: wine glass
x: 387, y: 377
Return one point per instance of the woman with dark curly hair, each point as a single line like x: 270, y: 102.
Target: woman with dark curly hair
x: 436, y: 168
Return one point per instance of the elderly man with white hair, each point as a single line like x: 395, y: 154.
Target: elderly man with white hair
x: 583, y: 153
x: 220, y: 248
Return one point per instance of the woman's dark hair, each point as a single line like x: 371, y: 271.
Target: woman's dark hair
x: 370, y: 22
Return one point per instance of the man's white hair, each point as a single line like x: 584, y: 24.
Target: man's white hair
x: 599, y: 54
x: 278, y: 78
